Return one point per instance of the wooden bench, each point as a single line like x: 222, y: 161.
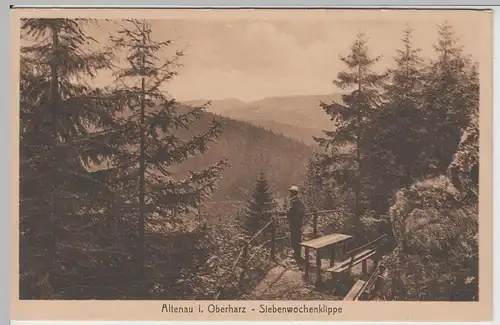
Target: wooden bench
x: 332, y: 242
x: 348, y: 263
x: 356, y: 291
x: 359, y: 255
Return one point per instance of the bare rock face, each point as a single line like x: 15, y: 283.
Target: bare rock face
x: 436, y: 233
x: 435, y: 224
x: 421, y: 215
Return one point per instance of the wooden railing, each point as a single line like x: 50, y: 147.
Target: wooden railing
x: 372, y: 279
x: 372, y: 244
x: 276, y: 244
x: 243, y: 258
x: 371, y: 282
x: 370, y: 285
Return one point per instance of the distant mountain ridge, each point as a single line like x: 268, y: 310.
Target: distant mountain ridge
x: 304, y: 135
x: 299, y: 117
x: 250, y: 150
x: 220, y: 106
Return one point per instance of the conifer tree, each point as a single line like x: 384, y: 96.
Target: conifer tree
x: 151, y: 141
x: 448, y: 97
x: 346, y: 145
x: 398, y: 154
x: 63, y: 123
x: 310, y: 185
x: 402, y: 121
x: 316, y: 192
x: 258, y: 209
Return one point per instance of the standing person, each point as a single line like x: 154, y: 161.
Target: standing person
x: 295, y: 215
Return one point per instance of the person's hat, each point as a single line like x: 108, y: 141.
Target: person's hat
x: 294, y: 189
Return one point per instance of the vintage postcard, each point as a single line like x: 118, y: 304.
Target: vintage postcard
x: 265, y: 164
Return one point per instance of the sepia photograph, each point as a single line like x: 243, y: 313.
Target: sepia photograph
x: 223, y: 155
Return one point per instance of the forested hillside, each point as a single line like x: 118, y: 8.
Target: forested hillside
x: 305, y: 135
x: 250, y: 150
x: 110, y: 178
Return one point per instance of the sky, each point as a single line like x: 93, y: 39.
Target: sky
x: 250, y: 59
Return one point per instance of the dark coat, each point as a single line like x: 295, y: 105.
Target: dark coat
x: 296, y: 212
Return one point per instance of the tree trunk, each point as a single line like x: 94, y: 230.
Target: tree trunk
x: 54, y: 103
x: 357, y: 189
x: 142, y: 171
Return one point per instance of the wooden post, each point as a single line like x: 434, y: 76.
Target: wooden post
x: 306, y: 269
x: 282, y: 234
x: 376, y: 257
x: 245, y: 255
x: 273, y: 238
x: 340, y: 251
x: 332, y: 257
x: 244, y: 265
x: 315, y: 224
x: 351, y: 263
x: 318, y: 268
x: 364, y: 266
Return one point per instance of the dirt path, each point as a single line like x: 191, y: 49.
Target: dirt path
x: 286, y: 282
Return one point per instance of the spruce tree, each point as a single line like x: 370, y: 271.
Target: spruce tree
x: 310, y: 184
x: 315, y: 191
x: 448, y: 98
x: 402, y: 122
x: 259, y: 207
x: 346, y: 146
x: 63, y: 123
x: 152, y: 123
x: 398, y: 154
